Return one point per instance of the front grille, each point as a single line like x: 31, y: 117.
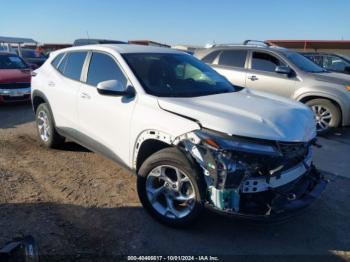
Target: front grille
x: 14, y: 85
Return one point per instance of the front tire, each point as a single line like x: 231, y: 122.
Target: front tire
x: 46, y: 130
x: 326, y: 113
x: 171, y: 188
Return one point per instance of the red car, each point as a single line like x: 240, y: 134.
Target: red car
x: 15, y: 76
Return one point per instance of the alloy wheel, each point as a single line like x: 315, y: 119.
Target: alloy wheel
x: 323, y: 117
x: 43, y: 126
x: 170, y: 192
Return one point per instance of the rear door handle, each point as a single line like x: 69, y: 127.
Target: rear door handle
x: 52, y: 84
x: 253, y: 78
x: 85, y: 96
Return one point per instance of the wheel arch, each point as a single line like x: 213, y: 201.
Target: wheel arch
x: 148, y: 143
x: 304, y: 99
x: 39, y: 98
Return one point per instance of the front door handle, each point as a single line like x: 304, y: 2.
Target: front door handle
x: 253, y: 78
x: 52, y: 84
x: 85, y: 96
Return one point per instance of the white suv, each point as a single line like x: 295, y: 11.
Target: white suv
x: 192, y: 138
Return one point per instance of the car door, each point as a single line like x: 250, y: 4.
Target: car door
x: 63, y: 87
x: 104, y: 120
x: 232, y: 64
x: 262, y: 75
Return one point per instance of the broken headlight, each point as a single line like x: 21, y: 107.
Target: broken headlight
x: 218, y: 141
x: 227, y: 160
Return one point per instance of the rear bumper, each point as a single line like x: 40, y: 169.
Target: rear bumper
x: 285, y: 201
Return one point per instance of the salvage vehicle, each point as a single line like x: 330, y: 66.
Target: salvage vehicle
x: 192, y: 138
x: 286, y: 73
x: 331, y: 62
x: 14, y: 79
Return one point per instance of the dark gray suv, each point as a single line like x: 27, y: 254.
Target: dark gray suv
x: 286, y: 73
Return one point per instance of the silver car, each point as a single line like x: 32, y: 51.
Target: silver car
x: 287, y: 73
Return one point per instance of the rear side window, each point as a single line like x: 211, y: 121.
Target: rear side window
x: 74, y: 65
x: 265, y: 62
x: 57, y: 60
x: 234, y: 58
x: 211, y: 57
x: 103, y: 68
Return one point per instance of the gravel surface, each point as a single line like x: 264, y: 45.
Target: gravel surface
x: 77, y: 203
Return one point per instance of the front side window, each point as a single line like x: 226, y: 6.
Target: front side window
x: 74, y: 64
x: 176, y: 75
x: 103, y: 68
x: 265, y: 62
x: 235, y: 58
x: 10, y: 61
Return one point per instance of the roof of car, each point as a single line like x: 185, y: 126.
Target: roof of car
x: 125, y: 48
x: 203, y: 52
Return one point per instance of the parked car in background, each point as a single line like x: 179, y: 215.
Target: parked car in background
x: 192, y: 137
x: 15, y: 76
x: 88, y: 41
x: 286, y: 73
x: 330, y: 62
x: 33, y: 57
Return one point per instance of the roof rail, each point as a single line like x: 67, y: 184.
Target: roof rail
x: 223, y: 45
x: 246, y: 42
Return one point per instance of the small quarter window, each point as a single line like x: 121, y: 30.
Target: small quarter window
x: 209, y: 59
x: 57, y: 60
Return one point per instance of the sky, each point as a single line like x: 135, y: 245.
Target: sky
x: 196, y: 22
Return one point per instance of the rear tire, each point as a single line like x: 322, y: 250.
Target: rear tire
x: 46, y: 129
x: 327, y: 114
x: 177, y: 202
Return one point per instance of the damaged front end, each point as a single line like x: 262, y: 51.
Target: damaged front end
x: 254, y: 178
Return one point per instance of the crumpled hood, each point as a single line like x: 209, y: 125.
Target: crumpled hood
x: 247, y: 113
x: 335, y: 78
x: 14, y: 76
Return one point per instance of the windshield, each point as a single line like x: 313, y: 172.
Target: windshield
x: 12, y: 62
x: 31, y: 54
x: 176, y: 75
x: 304, y: 63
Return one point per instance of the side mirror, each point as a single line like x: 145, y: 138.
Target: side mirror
x: 285, y: 70
x: 114, y: 88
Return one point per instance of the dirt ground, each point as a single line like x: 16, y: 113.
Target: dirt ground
x: 77, y: 204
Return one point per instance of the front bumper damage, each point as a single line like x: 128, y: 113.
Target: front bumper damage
x: 257, y: 186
